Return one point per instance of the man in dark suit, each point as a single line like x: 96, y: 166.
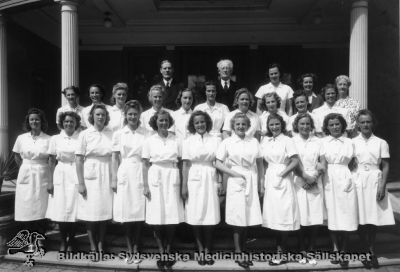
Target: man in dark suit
x: 172, y: 86
x: 226, y: 87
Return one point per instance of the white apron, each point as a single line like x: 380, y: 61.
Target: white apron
x: 202, y: 205
x: 165, y: 205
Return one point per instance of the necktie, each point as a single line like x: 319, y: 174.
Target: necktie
x: 225, y: 86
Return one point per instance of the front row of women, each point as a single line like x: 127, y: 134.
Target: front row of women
x: 306, y: 182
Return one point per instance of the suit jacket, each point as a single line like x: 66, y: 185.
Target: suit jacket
x: 171, y: 93
x: 226, y: 96
x: 316, y: 102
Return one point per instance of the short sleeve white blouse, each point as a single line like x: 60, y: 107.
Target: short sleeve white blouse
x: 95, y: 143
x: 158, y: 149
x: 63, y: 146
x: 129, y: 143
x: 371, y: 150
x: 278, y: 149
x: 239, y: 152
x: 32, y: 148
x: 200, y: 148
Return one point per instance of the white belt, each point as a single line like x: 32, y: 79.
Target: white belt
x: 367, y: 167
x: 202, y: 163
x: 25, y: 161
x: 168, y: 164
x: 132, y: 159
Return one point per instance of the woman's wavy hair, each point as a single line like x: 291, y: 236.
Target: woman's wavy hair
x: 101, y: 89
x: 132, y: 104
x: 280, y: 119
x: 207, y: 117
x: 95, y: 107
x: 240, y: 115
x: 178, y: 98
x: 43, y: 122
x: 241, y: 91
x: 303, y: 76
x: 119, y: 86
x: 153, y: 119
x: 295, y: 123
x: 75, y: 89
x: 63, y: 115
x: 278, y: 100
x: 332, y: 116
x: 326, y: 87
x: 156, y: 87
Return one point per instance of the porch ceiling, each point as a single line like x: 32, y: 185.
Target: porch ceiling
x: 176, y: 22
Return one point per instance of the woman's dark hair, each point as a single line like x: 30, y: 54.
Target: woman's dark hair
x: 299, y: 93
x: 240, y: 115
x: 178, y: 98
x: 73, y: 88
x: 95, y: 107
x: 369, y: 113
x: 241, y: 91
x: 332, y: 116
x: 153, y: 119
x: 263, y: 106
x: 207, y: 117
x: 275, y: 65
x: 303, y: 76
x: 117, y: 87
x: 280, y: 119
x: 299, y: 116
x: 98, y: 86
x: 132, y: 104
x: 326, y: 87
x: 63, y: 115
x: 42, y: 116
x: 210, y: 82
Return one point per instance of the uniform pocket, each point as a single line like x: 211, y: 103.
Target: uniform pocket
x: 58, y: 176
x: 237, y: 184
x: 90, y: 171
x: 24, y: 176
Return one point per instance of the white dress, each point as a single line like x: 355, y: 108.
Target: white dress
x: 95, y: 146
x: 116, y: 118
x: 31, y: 189
x: 242, y: 202
x: 280, y: 210
x: 311, y: 202
x: 129, y: 201
x: 202, y: 205
x: 218, y: 113
x: 255, y: 123
x: 340, y: 193
x: 165, y: 205
x: 369, y: 153
x: 181, y: 118
x: 62, y: 206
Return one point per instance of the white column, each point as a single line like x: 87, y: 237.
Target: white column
x: 358, y: 63
x: 3, y: 89
x: 69, y: 45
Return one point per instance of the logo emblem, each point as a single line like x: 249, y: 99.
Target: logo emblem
x: 28, y: 243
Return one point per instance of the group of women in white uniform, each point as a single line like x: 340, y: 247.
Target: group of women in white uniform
x: 165, y: 167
